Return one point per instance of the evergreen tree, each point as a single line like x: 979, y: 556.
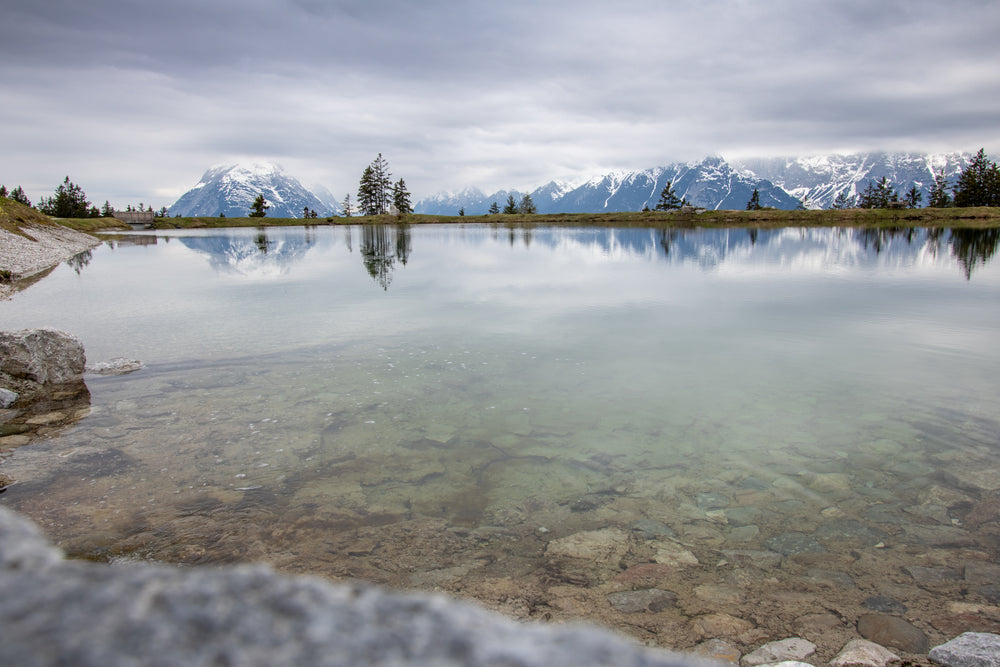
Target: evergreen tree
x: 107, y: 211
x: 913, y: 197
x: 979, y: 184
x: 510, y: 207
x: 494, y: 209
x: 70, y: 201
x: 878, y: 194
x: 754, y: 203
x: 3, y: 191
x: 844, y: 200
x: 461, y: 212
x: 17, y: 194
x: 348, y: 206
x: 367, y: 193
x: 939, y: 197
x: 668, y: 199
x: 383, y: 186
x: 527, y: 207
x: 401, y: 198
x: 259, y: 207
x: 163, y: 212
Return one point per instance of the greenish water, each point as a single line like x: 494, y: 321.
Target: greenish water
x: 432, y: 407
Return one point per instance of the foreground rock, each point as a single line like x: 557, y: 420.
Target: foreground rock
x: 64, y: 612
x: 42, y: 356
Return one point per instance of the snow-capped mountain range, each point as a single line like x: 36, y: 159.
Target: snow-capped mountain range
x: 231, y: 189
x: 716, y: 183
x: 712, y: 183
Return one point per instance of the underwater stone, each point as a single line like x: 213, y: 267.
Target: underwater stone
x: 779, y: 651
x: 892, y: 631
x: 970, y: 649
x: 791, y: 544
x: 863, y: 653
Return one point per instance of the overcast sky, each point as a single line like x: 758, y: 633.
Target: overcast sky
x: 134, y: 100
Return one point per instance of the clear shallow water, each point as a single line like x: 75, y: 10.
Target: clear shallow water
x: 440, y: 406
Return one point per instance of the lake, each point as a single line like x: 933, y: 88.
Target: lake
x: 679, y: 434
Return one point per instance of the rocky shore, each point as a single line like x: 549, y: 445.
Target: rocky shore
x: 38, y: 247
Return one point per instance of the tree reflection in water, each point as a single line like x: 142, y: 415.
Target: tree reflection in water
x: 381, y: 247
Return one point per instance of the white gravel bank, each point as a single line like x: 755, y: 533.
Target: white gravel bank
x: 53, y: 244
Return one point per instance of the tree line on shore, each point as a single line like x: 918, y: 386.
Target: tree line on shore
x: 377, y: 194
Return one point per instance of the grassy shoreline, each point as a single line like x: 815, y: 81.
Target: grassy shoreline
x: 879, y: 218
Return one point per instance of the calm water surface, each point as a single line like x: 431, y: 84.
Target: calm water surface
x: 774, y: 424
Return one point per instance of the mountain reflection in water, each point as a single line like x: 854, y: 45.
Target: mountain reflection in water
x: 383, y: 247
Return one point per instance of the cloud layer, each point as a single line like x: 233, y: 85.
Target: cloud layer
x: 135, y: 100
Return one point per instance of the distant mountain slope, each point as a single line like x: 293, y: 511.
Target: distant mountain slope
x: 231, y: 189
x: 711, y: 183
x: 819, y: 179
x: 716, y: 183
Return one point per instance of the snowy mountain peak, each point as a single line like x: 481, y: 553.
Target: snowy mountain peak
x: 230, y: 189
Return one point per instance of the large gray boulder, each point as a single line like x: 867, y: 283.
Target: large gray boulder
x: 56, y: 612
x: 42, y: 356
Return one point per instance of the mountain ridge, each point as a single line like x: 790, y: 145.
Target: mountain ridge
x: 713, y: 182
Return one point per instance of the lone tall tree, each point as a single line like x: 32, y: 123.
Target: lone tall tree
x: 510, y: 208
x: 259, y: 207
x: 527, y: 206
x: 669, y: 201
x: 754, y: 203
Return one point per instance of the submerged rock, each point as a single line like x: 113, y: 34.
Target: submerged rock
x: 116, y: 366
x: 793, y: 543
x: 863, y: 653
x: 779, y: 651
x: 970, y: 649
x: 892, y: 631
x: 651, y: 600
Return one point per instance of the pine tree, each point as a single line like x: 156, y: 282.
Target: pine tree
x: 367, y: 193
x: 382, y: 185
x: 878, y: 194
x: 527, y: 206
x: 107, y: 211
x: 939, y: 197
x: 348, y: 206
x: 668, y: 199
x: 3, y: 191
x: 979, y: 184
x: 461, y: 212
x: 17, y: 194
x: 401, y: 198
x: 494, y: 209
x: 754, y: 203
x: 913, y: 197
x: 259, y: 207
x: 70, y: 201
x: 844, y: 200
x: 510, y: 208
